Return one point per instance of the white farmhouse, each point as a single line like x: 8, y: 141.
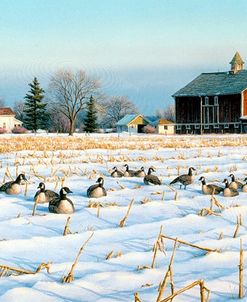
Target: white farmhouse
x: 8, y: 120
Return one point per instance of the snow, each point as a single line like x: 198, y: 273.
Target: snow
x: 26, y: 240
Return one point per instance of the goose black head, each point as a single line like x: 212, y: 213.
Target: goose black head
x: 21, y: 177
x: 142, y: 169
x: 190, y: 170
x: 127, y: 167
x: 232, y: 176
x: 245, y: 179
x: 65, y: 191
x: 202, y: 178
x: 100, y: 181
x: 225, y: 181
x: 150, y: 170
x: 114, y: 168
x: 41, y: 186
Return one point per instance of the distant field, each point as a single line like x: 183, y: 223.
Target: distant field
x: 52, y: 142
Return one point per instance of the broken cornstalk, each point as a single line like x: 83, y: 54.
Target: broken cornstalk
x: 122, y: 222
x: 6, y: 271
x: 191, y: 244
x: 70, y: 277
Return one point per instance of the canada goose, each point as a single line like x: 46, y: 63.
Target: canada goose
x: 229, y: 192
x: 185, y: 179
x: 62, y: 204
x: 234, y: 184
x: 116, y: 173
x: 43, y: 195
x: 13, y: 187
x: 97, y: 190
x: 128, y: 172
x: 150, y: 179
x: 210, y: 188
x: 244, y: 187
x: 140, y: 173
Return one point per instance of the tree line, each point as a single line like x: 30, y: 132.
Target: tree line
x: 73, y: 101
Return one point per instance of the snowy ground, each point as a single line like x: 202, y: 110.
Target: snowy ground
x: 26, y: 240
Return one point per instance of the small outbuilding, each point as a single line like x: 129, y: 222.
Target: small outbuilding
x: 8, y: 120
x: 165, y: 127
x: 132, y: 123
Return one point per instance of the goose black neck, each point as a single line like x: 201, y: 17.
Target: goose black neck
x: 190, y: 172
x: 227, y: 184
x: 18, y: 180
x: 63, y: 195
x: 203, y: 182
x: 233, y: 178
x: 149, y: 171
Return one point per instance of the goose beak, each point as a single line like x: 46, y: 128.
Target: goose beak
x: 69, y: 191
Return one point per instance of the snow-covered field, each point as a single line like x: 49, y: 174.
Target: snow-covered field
x: 26, y: 240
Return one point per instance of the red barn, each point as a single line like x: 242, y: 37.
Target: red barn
x: 214, y: 102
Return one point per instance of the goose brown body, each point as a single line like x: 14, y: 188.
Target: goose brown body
x: 140, y: 173
x: 185, y: 179
x: 228, y: 192
x: 62, y: 204
x: 43, y: 195
x: 150, y: 179
x: 128, y: 172
x: 97, y: 190
x: 244, y: 187
x: 235, y: 184
x: 13, y: 187
x: 116, y: 173
x: 210, y: 189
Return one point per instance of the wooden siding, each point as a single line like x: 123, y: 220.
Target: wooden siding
x: 245, y: 102
x: 187, y: 110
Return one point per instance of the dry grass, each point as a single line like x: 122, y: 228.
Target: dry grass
x: 54, y: 143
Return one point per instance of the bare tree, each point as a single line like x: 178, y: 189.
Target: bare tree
x: 69, y: 91
x: 19, y: 110
x: 116, y: 108
x: 167, y: 113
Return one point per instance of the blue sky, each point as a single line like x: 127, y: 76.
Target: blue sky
x: 143, y: 49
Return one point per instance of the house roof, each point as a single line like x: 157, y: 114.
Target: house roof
x: 126, y: 119
x: 164, y: 122
x: 216, y: 83
x: 6, y: 111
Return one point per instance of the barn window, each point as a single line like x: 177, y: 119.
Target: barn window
x: 217, y: 126
x: 236, y: 125
x: 179, y: 127
x: 165, y: 127
x: 206, y: 100
x: 197, y: 126
x: 188, y: 127
x: 226, y: 126
x: 216, y: 101
x: 206, y: 126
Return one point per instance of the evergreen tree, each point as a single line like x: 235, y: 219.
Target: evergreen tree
x: 91, y: 116
x: 34, y: 107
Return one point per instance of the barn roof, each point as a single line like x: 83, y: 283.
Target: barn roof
x: 215, y: 83
x: 6, y: 111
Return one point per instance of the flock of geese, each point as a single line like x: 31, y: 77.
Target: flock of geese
x: 61, y: 204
